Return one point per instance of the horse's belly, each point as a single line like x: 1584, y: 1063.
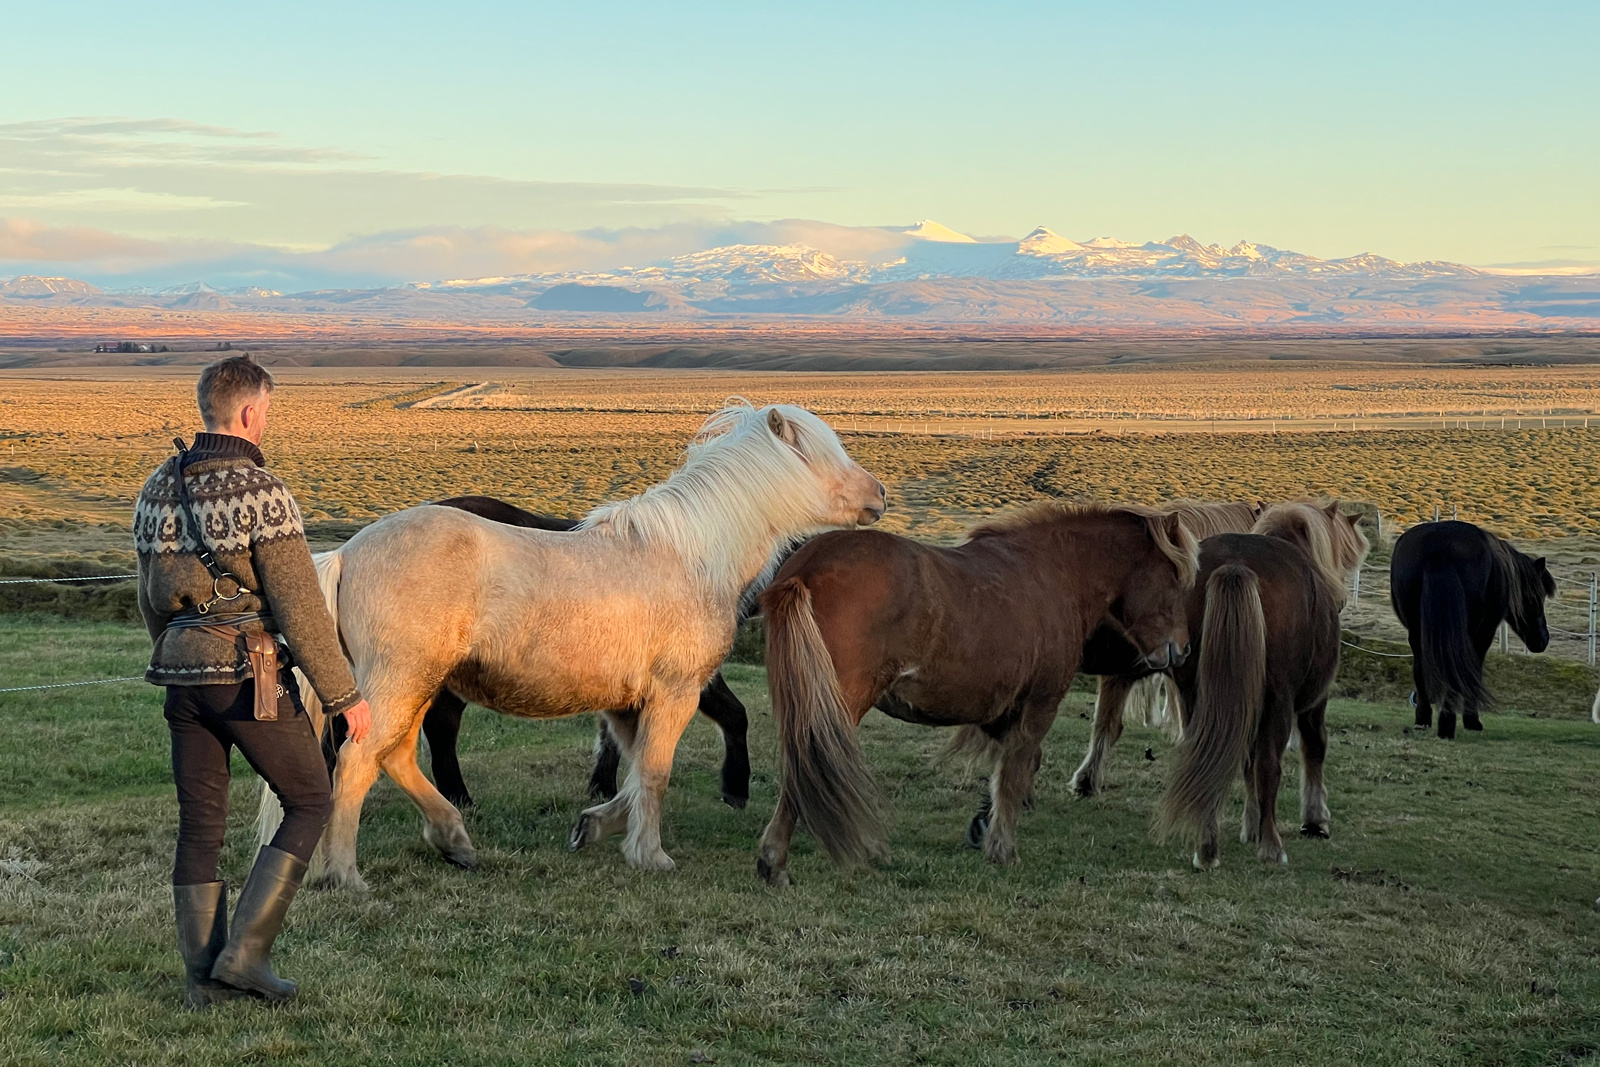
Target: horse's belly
x: 926, y: 705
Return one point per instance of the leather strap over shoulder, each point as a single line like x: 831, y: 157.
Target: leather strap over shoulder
x: 222, y: 580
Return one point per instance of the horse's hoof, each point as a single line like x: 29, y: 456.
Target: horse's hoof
x: 1279, y: 857
x: 652, y: 861
x: 735, y: 801
x: 583, y: 831
x: 462, y: 801
x: 777, y: 878
x: 467, y: 860
x: 976, y: 829
x: 349, y: 881
x: 1473, y: 724
x: 1083, y: 787
x: 1315, y: 829
x: 1202, y: 864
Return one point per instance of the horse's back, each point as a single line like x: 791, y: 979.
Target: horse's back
x: 1456, y: 548
x: 1302, y: 618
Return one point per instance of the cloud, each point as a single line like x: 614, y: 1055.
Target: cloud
x: 184, y: 181
x: 28, y: 246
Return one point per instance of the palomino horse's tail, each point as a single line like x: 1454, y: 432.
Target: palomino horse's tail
x: 1594, y: 712
x: 825, y: 774
x: 1149, y: 703
x: 1449, y: 662
x: 270, y: 814
x: 1232, y: 671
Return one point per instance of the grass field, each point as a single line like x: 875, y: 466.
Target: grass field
x: 1448, y: 921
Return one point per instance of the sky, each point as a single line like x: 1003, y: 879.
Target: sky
x: 356, y: 143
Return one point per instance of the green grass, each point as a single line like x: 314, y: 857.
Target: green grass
x: 1449, y: 920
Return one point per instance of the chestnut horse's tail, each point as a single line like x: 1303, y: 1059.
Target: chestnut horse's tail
x: 1222, y: 723
x: 825, y: 774
x: 269, y: 816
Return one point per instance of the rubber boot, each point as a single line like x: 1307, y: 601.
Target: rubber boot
x: 246, y: 962
x: 202, y: 912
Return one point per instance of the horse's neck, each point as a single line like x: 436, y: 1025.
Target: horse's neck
x: 1093, y: 583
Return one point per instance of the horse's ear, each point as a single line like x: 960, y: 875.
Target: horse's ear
x: 1173, y: 527
x: 1333, y: 508
x: 1539, y: 563
x: 781, y: 427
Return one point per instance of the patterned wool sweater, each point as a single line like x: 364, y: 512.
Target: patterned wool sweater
x: 254, y: 528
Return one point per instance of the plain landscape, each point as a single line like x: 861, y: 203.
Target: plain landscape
x: 1449, y: 920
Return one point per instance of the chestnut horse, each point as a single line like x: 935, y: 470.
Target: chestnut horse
x: 1266, y: 615
x: 633, y: 611
x: 988, y: 633
x: 442, y: 724
x: 1121, y: 696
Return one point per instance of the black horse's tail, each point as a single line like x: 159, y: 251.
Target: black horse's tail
x: 1450, y: 666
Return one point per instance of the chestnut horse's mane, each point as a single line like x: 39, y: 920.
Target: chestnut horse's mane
x: 1184, y: 553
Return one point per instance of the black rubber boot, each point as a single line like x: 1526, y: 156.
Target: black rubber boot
x: 202, y: 912
x: 246, y: 962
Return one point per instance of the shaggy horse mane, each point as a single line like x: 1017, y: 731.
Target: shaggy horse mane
x: 1336, y: 547
x: 738, y: 479
x: 1523, y: 575
x: 1183, y: 554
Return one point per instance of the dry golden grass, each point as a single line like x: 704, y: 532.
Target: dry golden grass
x: 356, y: 445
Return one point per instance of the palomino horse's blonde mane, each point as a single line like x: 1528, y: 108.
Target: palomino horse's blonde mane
x: 1334, y: 542
x: 1184, y: 553
x: 735, y: 466
x: 1207, y: 519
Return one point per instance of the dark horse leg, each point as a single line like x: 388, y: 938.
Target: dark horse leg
x: 1313, y: 750
x: 1480, y: 644
x: 1090, y: 775
x: 607, y: 758
x: 719, y: 704
x: 1266, y: 774
x: 442, y: 725
x: 1424, y: 717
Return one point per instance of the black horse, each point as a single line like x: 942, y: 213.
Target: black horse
x: 442, y: 724
x: 1451, y: 584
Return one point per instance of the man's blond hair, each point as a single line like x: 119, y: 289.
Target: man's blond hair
x: 226, y: 385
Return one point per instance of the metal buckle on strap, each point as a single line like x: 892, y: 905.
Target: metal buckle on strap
x: 218, y: 596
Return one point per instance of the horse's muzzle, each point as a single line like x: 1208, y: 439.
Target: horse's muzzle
x: 873, y: 512
x: 1171, y: 656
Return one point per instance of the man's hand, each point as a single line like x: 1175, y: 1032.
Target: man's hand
x: 358, y: 717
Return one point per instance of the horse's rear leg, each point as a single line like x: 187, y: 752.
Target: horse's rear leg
x: 1272, y: 734
x: 352, y: 778
x: 607, y: 758
x: 772, y: 861
x: 1313, y: 725
x: 442, y: 725
x: 1089, y: 778
x: 444, y: 829
x: 1447, y: 724
x: 1424, y: 716
x: 618, y: 731
x: 719, y: 704
x: 1014, y: 772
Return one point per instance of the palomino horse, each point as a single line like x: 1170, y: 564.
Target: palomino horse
x: 988, y: 633
x: 442, y: 724
x: 1122, y: 696
x: 633, y: 611
x: 1451, y: 584
x: 1267, y: 615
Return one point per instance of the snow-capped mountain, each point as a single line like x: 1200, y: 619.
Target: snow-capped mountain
x: 928, y: 273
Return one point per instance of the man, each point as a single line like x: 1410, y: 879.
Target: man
x: 224, y: 576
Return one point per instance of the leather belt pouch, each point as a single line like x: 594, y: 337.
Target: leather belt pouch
x: 262, y: 650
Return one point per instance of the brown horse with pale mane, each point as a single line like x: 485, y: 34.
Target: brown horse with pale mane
x: 988, y: 633
x: 1266, y: 617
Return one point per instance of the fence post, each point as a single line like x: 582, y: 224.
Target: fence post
x: 1355, y: 594
x: 1505, y: 638
x: 1594, y: 589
